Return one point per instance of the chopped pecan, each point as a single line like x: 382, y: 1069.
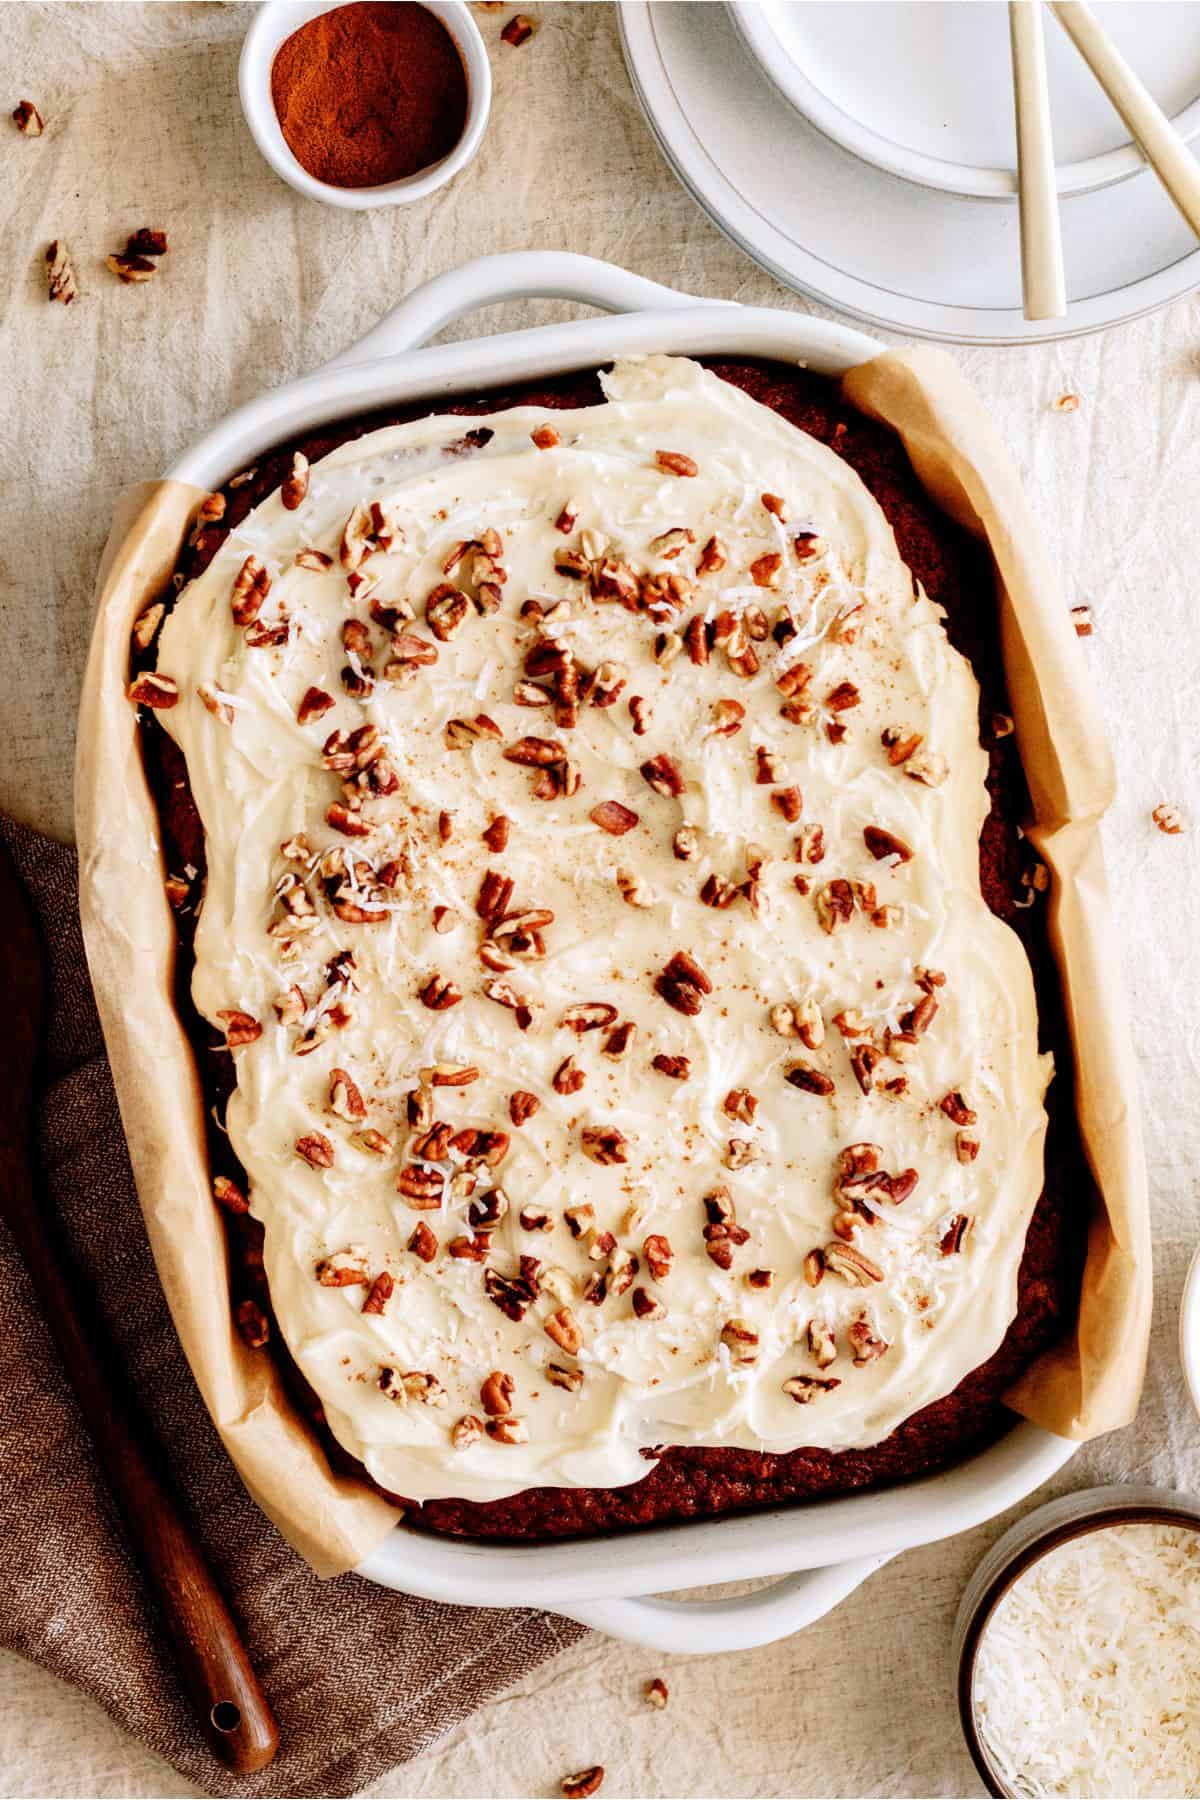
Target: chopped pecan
x: 60, y: 273
x: 834, y: 904
x: 568, y: 1078
x: 381, y: 1292
x: 1169, y: 819
x: 804, y: 1076
x: 604, y: 1144
x: 953, y: 1238
x: 619, y: 1041
x: 252, y: 1324
x: 675, y: 1068
x: 613, y: 817
x: 588, y: 1015
x: 294, y: 486
x: 849, y: 1262
x: 251, y: 586
x: 522, y: 1105
x: 508, y: 1430
x: 658, y: 1254
x: 439, y: 993
x: 712, y: 558
x: 766, y: 571
x: 927, y: 767
x: 535, y: 752
x: 316, y: 1150
x: 741, y: 1104
x: 663, y: 774
x: 240, y: 1028
x: 674, y: 462
x: 844, y: 696
x: 803, y: 1388
x: 519, y: 30
x: 1081, y: 619
x: 768, y: 766
x: 717, y: 892
x: 496, y: 1393
x: 314, y: 703
x: 956, y: 1109
x: 229, y: 1195
x: 159, y: 692
x: 727, y: 717
x: 466, y: 1431
x: 966, y: 1146
x: 865, y: 1344
x: 740, y: 1339
x: 146, y: 624
x: 683, y: 984
x: 882, y: 845
x: 645, y: 1306
x: 685, y: 845
x: 822, y: 1345
x: 583, y: 1784
x: 564, y: 1329
x: 27, y: 119
x: 345, y: 1268
x: 421, y: 1187
x: 345, y: 1098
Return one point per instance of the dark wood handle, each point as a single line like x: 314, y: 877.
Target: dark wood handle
x: 209, y: 1653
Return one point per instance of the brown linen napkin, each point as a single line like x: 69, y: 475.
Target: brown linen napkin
x: 360, y: 1678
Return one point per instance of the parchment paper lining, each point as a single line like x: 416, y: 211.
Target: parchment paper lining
x: 1087, y: 1385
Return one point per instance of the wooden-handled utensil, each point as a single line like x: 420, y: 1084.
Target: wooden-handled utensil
x: 209, y: 1653
x: 1147, y: 124
x: 1043, y: 287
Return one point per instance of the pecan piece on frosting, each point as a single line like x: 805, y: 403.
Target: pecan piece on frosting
x: 675, y: 462
x: 60, y: 273
x: 865, y: 1344
x: 294, y: 486
x: 604, y: 1144
x: 381, y: 1292
x: 883, y: 844
x: 663, y: 774
x: 675, y: 1068
x: 564, y: 1329
x: 536, y: 752
x: 345, y: 1268
x: 583, y: 1784
x: 316, y: 1150
x: 345, y: 1098
x: 251, y: 585
x: 314, y: 703
x: 422, y: 1188
x: 589, y: 1015
x: 613, y: 817
x: 849, y: 1262
x: 683, y: 984
x: 802, y: 1075
x: 522, y: 1105
x: 803, y: 1388
x: 240, y: 1027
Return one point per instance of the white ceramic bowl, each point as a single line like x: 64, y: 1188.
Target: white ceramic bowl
x: 276, y: 21
x: 837, y: 66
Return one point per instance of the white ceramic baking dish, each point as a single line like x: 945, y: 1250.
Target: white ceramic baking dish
x: 822, y: 1550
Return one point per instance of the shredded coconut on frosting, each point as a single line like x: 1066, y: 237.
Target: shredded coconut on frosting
x: 592, y: 813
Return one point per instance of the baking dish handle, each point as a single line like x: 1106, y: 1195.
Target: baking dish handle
x: 515, y: 275
x: 741, y: 1622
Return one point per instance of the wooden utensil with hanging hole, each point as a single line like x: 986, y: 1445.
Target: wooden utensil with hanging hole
x: 209, y: 1654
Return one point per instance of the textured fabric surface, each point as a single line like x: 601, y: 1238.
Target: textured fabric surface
x: 143, y: 127
x: 359, y: 1677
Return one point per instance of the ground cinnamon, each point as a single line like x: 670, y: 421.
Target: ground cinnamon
x: 370, y: 92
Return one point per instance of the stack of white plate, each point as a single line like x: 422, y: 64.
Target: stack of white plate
x: 865, y: 155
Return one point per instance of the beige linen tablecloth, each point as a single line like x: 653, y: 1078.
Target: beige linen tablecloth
x: 143, y: 127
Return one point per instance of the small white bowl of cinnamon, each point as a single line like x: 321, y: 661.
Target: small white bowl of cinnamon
x: 368, y: 102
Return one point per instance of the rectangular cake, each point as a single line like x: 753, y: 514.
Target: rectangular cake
x: 613, y: 959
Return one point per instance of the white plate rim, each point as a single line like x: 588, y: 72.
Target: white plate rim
x: 848, y: 294
x: 755, y: 26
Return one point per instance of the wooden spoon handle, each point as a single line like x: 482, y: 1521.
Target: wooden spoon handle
x: 209, y: 1653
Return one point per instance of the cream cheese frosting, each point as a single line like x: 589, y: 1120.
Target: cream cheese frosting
x: 757, y: 858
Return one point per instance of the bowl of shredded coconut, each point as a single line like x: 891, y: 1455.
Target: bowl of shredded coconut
x: 1078, y: 1648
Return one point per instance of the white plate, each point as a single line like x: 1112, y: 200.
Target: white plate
x: 829, y: 225
x: 949, y: 123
